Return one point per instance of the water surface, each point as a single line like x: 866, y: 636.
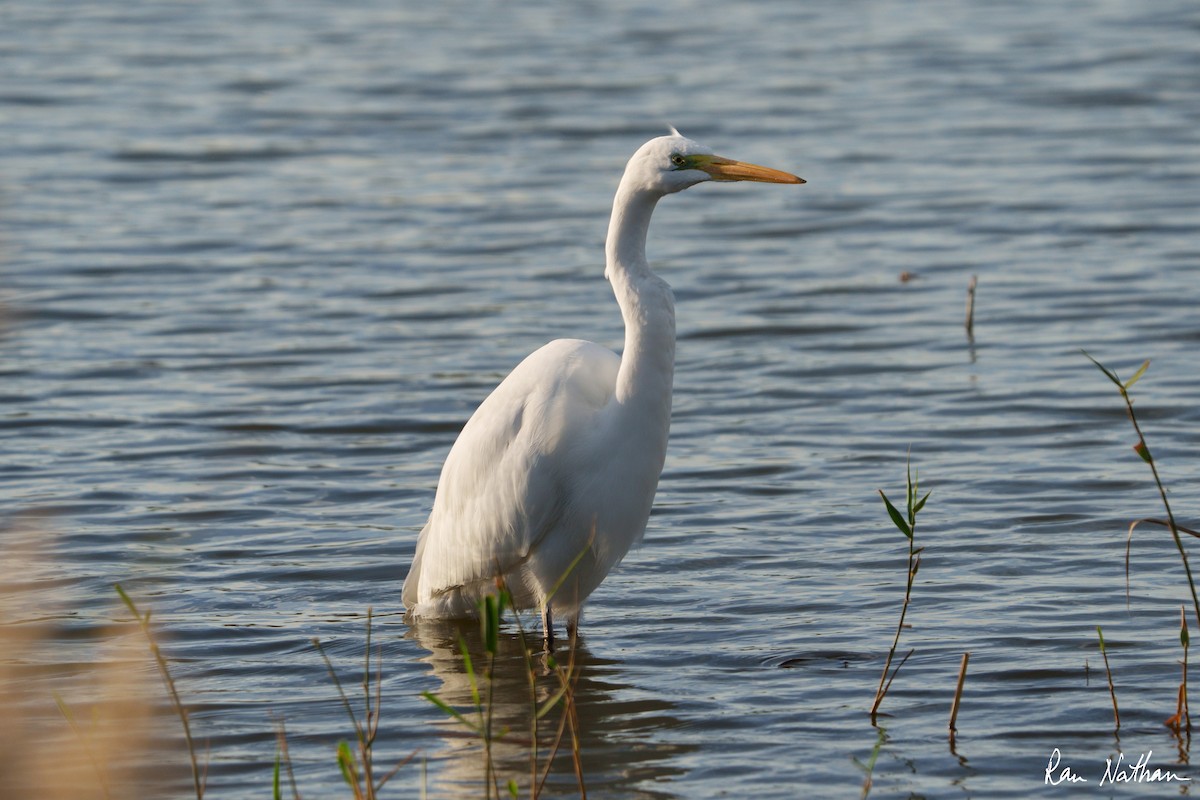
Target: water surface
x: 261, y: 262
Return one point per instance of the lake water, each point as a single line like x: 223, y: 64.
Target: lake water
x: 261, y: 261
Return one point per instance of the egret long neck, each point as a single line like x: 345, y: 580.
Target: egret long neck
x: 647, y: 306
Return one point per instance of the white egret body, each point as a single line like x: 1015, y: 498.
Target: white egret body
x: 559, y: 465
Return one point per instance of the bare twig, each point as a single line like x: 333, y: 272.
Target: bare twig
x: 962, y: 676
x: 891, y: 678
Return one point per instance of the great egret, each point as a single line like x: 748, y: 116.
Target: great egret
x: 551, y: 480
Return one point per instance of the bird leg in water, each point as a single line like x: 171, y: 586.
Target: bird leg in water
x: 547, y: 628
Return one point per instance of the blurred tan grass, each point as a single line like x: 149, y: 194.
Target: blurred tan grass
x: 81, y: 711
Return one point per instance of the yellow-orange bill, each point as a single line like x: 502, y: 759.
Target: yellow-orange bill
x: 726, y: 169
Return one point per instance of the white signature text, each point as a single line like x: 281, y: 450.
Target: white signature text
x: 1115, y: 771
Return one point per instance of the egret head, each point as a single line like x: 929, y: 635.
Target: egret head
x: 672, y: 163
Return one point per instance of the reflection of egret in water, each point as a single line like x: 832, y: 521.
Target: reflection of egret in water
x: 619, y: 755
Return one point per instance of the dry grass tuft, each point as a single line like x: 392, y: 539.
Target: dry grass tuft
x: 79, y: 709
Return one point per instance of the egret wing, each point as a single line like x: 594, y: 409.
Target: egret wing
x: 505, y: 485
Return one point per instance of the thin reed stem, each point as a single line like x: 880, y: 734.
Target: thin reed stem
x: 1183, y: 686
x: 533, y: 706
x: 1182, y: 718
x: 198, y: 779
x: 1144, y: 452
x: 1112, y: 689
x: 573, y: 710
x: 908, y: 526
x: 482, y: 722
x: 869, y: 767
x: 360, y: 773
x: 285, y: 756
x: 86, y: 741
x: 885, y: 682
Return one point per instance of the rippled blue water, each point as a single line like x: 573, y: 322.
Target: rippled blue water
x: 261, y: 261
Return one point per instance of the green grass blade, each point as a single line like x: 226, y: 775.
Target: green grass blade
x: 1112, y: 376
x: 470, y: 670
x: 165, y: 671
x: 127, y: 601
x: 450, y: 710
x: 921, y: 504
x: 896, y: 516
x: 345, y: 761
x: 551, y: 702
x: 909, y: 488
x: 1141, y: 371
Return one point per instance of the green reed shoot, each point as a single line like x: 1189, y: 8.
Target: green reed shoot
x: 1112, y: 689
x: 358, y: 768
x: 1143, y: 451
x: 1182, y: 719
x: 568, y: 678
x: 564, y: 696
x: 199, y: 779
x: 907, y: 524
x: 86, y: 740
x: 479, y: 719
x: 491, y: 612
x: 282, y: 757
x: 869, y: 767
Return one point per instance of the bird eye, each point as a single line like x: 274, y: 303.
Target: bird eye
x: 678, y: 160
